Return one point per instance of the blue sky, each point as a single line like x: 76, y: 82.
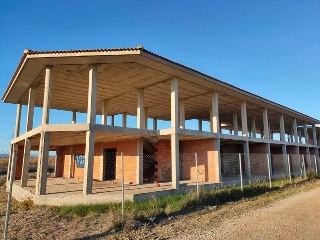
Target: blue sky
x: 270, y: 48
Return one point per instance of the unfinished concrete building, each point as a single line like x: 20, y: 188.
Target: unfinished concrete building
x: 136, y: 82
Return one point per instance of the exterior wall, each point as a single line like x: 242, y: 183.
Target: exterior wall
x: 19, y: 162
x: 258, y: 159
x: 206, y: 160
x: 129, y: 149
x: 163, y: 160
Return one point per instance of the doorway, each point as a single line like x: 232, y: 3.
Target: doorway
x: 110, y: 164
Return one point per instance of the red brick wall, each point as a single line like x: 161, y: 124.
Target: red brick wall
x: 19, y: 162
x: 163, y: 158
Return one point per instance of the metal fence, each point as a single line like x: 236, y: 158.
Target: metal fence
x: 117, y: 177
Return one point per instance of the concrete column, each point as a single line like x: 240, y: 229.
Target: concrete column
x: 306, y: 136
x: 266, y: 134
x: 175, y: 134
x: 182, y: 117
x: 124, y: 120
x: 41, y: 182
x: 246, y: 152
x: 104, y: 118
x: 12, y: 163
x: 244, y: 121
x: 71, y: 163
x: 30, y: 111
x: 314, y: 135
x: 253, y: 128
x: 282, y: 132
x: 155, y: 123
x: 90, y: 135
x: 46, y: 97
x: 215, y: 113
x: 300, y: 136
x: 146, y: 118
x: 284, y: 157
x: 210, y: 125
x: 235, y: 123
x: 269, y: 127
x: 268, y: 151
x: 200, y: 124
x: 141, y: 120
x: 295, y: 130
x: 74, y: 117
x: 112, y: 120
x: 217, y: 160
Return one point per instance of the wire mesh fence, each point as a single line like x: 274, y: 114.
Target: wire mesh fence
x: 118, y: 177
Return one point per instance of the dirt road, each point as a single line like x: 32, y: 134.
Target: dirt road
x: 296, y: 217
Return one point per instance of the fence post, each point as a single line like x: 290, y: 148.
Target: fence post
x: 304, y: 167
x: 240, y: 165
x: 269, y: 170
x: 289, y: 168
x: 12, y: 177
x: 315, y: 164
x: 197, y: 174
x: 122, y: 186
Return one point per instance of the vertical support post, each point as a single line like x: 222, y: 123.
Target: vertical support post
x: 175, y: 134
x: 240, y: 169
x: 246, y: 154
x: 74, y: 117
x: 289, y: 168
x: 244, y: 121
x: 41, y: 180
x: 200, y: 124
x: 266, y: 134
x: 27, y: 143
x: 112, y: 120
x: 284, y: 157
x: 282, y: 131
x: 155, y: 123
x: 146, y: 118
x: 216, y: 129
x: 306, y: 136
x: 182, y: 117
x: 215, y: 113
x: 295, y: 130
x: 122, y: 186
x: 104, y: 118
x: 70, y: 171
x: 253, y: 128
x: 124, y: 120
x: 269, y: 170
x: 235, y: 123
x: 90, y: 135
x: 140, y: 125
x: 300, y: 136
x: 314, y: 134
x: 315, y: 164
x: 304, y: 167
x: 268, y: 151
x: 197, y: 173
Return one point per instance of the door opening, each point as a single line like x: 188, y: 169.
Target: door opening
x: 110, y: 164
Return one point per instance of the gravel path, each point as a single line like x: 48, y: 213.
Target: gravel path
x: 296, y: 217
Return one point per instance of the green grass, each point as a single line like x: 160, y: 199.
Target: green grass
x: 175, y: 204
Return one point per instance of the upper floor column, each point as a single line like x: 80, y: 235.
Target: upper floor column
x: 46, y: 96
x: 244, y: 121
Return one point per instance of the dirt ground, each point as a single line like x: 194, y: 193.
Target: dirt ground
x: 288, y: 214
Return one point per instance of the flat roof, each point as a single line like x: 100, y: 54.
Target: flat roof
x: 121, y: 72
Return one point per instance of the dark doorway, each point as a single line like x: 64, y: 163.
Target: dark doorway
x: 110, y: 164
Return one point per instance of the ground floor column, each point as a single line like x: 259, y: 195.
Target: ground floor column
x: 88, y: 166
x: 246, y: 153
x: 139, y: 166
x: 285, y: 158
x: 268, y: 152
x: 217, y: 157
x: 25, y: 164
x: 41, y: 181
x: 175, y: 160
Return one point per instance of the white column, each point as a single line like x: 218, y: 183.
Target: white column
x: 253, y: 128
x: 200, y: 124
x: 244, y: 121
x: 182, y: 114
x: 41, y: 181
x: 300, y: 136
x: 74, y: 117
x: 124, y: 120
x: 104, y: 118
x: 175, y: 134
x: 215, y: 113
x: 265, y: 124
x: 235, y: 123
x: 90, y: 135
x: 314, y: 134
x: 306, y: 137
x: 282, y: 132
x: 295, y: 130
x: 140, y: 125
